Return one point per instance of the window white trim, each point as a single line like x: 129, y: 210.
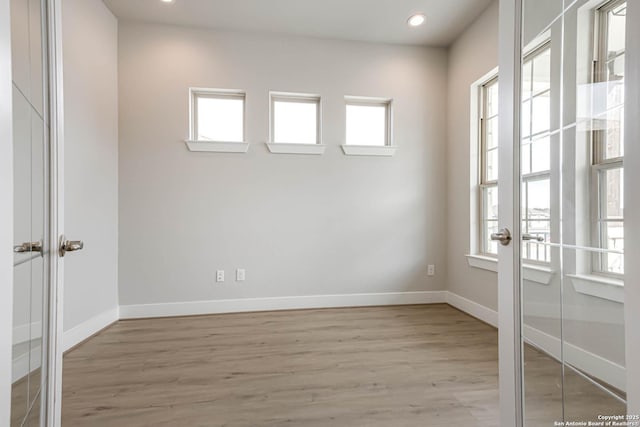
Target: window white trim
x: 533, y: 273
x: 475, y: 198
x: 295, y: 148
x: 598, y: 286
x: 371, y: 101
x: 287, y: 148
x: 193, y: 144
x: 369, y: 150
x: 217, y: 146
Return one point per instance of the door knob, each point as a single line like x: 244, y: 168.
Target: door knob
x: 503, y: 236
x: 527, y: 236
x: 69, y: 245
x: 28, y: 247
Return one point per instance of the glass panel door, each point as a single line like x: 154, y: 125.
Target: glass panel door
x: 572, y: 180
x: 31, y: 212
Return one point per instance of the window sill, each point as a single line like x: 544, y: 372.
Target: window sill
x: 286, y: 148
x: 483, y: 262
x: 598, y: 286
x: 369, y: 150
x: 532, y: 273
x: 217, y: 146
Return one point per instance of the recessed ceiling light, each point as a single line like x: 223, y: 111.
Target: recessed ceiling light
x: 416, y: 20
x: 166, y: 1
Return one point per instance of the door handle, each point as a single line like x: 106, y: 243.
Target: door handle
x: 527, y: 236
x: 28, y: 247
x: 70, y: 245
x: 503, y: 236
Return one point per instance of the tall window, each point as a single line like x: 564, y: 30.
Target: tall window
x: 536, y: 158
x: 489, y: 166
x: 536, y: 154
x: 608, y: 142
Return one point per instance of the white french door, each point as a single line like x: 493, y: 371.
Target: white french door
x: 566, y: 330
x: 30, y: 56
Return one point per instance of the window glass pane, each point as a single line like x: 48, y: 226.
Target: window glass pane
x: 295, y: 122
x: 366, y: 125
x: 536, y: 252
x: 526, y: 118
x: 525, y: 152
x: 538, y: 200
x: 220, y: 119
x: 492, y: 100
x: 616, y: 29
x: 542, y: 71
x: 541, y: 114
x: 490, y: 203
x: 492, y: 133
x: 613, y: 134
x: 490, y: 246
x: 614, y: 239
x: 492, y: 165
x: 615, y: 84
x: 527, y: 80
x: 540, y: 155
x: 612, y: 189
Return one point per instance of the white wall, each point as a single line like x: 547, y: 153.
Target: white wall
x: 299, y: 225
x: 91, y: 160
x: 471, y: 57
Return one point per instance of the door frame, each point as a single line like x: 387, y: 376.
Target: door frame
x: 56, y: 185
x: 6, y: 213
x: 509, y: 268
x: 52, y: 405
x: 632, y: 208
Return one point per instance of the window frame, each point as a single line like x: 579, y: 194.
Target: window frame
x: 539, y: 175
x: 387, y: 103
x: 197, y: 93
x: 484, y: 184
x: 295, y: 98
x: 600, y: 164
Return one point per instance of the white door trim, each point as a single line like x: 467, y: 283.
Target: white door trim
x: 632, y: 208
x: 6, y: 214
x: 56, y: 141
x: 509, y: 306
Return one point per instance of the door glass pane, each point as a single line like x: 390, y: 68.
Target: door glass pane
x: 30, y: 142
x: 541, y: 295
x: 593, y: 329
x: 492, y: 164
x: 572, y: 195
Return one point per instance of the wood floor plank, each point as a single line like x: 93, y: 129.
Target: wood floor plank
x: 427, y: 365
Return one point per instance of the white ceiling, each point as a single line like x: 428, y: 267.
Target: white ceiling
x: 382, y: 21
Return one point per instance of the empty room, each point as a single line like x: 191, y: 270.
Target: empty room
x: 359, y: 213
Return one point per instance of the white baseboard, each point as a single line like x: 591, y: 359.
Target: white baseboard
x: 476, y: 310
x: 26, y: 362
x: 594, y: 365
x: 29, y: 360
x: 279, y: 303
x: 84, y: 330
x: 27, y: 332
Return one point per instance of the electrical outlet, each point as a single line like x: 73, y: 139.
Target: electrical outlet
x: 240, y: 275
x: 220, y: 276
x: 431, y: 270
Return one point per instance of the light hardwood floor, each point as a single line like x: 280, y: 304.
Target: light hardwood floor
x: 417, y: 366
